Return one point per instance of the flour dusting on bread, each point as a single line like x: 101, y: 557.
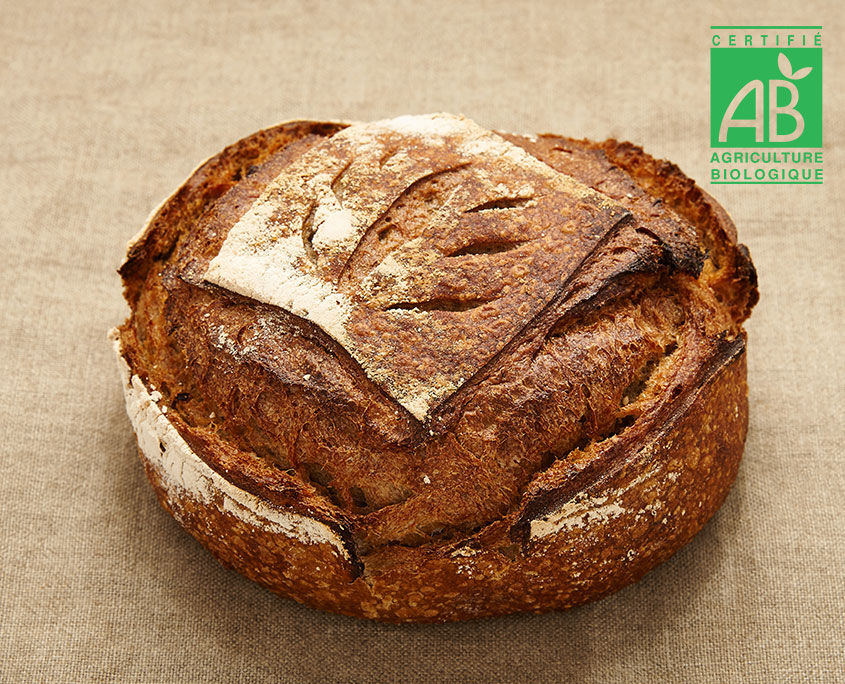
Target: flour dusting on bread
x: 293, y: 247
x: 185, y: 474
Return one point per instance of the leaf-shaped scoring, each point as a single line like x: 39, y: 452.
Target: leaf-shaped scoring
x: 801, y: 73
x: 449, y: 312
x: 785, y: 66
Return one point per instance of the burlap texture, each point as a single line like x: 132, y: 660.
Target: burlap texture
x: 107, y: 107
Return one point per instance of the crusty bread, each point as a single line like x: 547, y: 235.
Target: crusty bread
x: 414, y: 370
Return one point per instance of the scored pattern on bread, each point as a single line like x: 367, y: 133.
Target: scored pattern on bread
x: 338, y: 238
x: 448, y: 358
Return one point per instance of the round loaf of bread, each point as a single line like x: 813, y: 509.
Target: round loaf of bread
x: 415, y: 370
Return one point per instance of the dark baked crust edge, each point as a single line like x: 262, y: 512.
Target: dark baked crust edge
x: 208, y: 181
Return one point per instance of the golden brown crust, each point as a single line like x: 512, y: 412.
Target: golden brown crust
x: 595, y: 438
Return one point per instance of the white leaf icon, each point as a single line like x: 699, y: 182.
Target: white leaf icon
x: 785, y: 66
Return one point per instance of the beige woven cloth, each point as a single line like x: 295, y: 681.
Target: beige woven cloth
x: 107, y: 107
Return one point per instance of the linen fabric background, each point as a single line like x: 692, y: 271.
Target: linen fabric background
x: 107, y: 107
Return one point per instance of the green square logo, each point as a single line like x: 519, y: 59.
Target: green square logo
x: 766, y: 97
